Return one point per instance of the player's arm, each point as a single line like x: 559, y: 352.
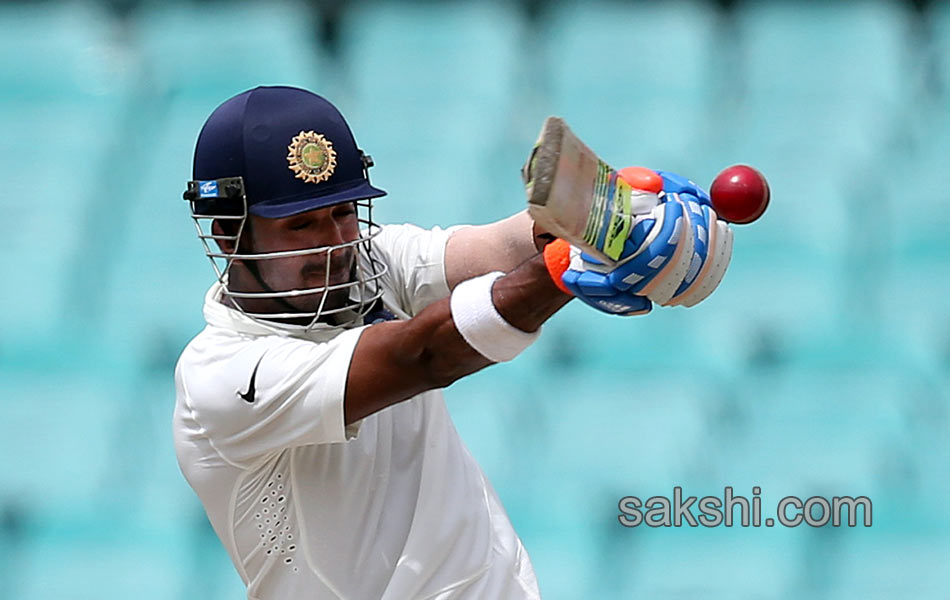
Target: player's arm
x: 396, y: 360
x: 498, y: 246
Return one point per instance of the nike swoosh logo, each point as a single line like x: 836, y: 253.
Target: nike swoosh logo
x: 248, y: 396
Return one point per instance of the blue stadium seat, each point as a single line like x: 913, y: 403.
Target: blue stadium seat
x: 154, y: 299
x: 639, y: 95
x: 53, y: 153
x: 709, y: 564
x: 431, y: 101
x: 217, y: 51
x: 68, y: 427
x: 100, y: 497
x: 559, y: 554
x: 591, y: 427
x: 825, y: 426
x: 940, y: 20
x: 212, y: 55
x: 826, y: 77
x: 104, y: 562
x: 824, y: 97
x: 58, y: 51
x: 633, y: 79
x: 915, y: 214
x: 773, y: 293
x: 918, y: 203
x: 773, y: 299
x: 893, y: 565
x: 913, y: 298
x: 61, y: 90
x: 848, y: 50
x: 584, y: 339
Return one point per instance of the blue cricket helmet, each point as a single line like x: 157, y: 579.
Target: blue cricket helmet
x: 292, y: 148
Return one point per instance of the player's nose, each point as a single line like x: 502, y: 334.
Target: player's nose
x: 331, y: 233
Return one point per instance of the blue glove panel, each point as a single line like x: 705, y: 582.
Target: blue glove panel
x: 700, y: 243
x: 622, y: 304
x: 606, y: 299
x: 588, y: 283
x: 615, y: 291
x: 637, y: 272
x: 677, y: 184
x: 689, y: 193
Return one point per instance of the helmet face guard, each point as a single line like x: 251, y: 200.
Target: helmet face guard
x: 225, y: 200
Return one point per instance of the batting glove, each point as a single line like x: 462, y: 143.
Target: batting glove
x: 676, y: 254
x: 712, y: 246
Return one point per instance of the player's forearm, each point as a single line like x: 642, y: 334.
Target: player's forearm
x: 527, y: 297
x: 524, y: 299
x: 498, y: 246
x: 397, y: 360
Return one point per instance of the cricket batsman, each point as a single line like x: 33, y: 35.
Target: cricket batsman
x: 309, y: 418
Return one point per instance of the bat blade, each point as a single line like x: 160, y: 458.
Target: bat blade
x: 575, y: 195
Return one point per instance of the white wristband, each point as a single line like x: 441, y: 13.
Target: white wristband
x: 477, y: 319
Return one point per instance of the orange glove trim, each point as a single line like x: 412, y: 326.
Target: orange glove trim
x: 557, y: 258
x: 641, y: 178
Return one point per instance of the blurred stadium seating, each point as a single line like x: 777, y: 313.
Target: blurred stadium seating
x: 821, y: 366
x: 432, y: 93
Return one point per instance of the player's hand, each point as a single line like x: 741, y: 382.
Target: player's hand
x: 652, y: 265
x: 583, y: 276
x: 676, y: 253
x: 712, y: 243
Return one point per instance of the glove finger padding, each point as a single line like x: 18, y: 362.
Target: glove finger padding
x: 701, y: 219
x: 712, y: 243
x: 713, y: 269
x: 677, y: 184
x: 587, y: 279
x: 675, y: 254
x: 680, y: 246
x: 663, y: 246
x: 622, y: 304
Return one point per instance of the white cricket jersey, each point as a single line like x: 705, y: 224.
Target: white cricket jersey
x: 393, y: 506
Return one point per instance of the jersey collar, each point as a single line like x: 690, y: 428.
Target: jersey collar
x: 217, y: 314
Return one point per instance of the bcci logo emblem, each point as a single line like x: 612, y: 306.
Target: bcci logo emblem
x: 312, y: 157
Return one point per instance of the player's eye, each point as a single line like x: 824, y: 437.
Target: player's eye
x: 300, y: 225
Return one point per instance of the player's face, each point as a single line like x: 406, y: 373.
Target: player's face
x: 323, y: 227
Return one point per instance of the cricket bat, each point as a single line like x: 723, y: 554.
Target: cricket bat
x: 576, y: 196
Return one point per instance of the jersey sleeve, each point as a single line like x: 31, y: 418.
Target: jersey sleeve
x: 271, y: 394
x: 416, y: 261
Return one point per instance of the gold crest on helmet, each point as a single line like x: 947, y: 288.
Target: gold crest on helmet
x: 311, y: 157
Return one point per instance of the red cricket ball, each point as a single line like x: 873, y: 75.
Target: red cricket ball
x: 740, y: 194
